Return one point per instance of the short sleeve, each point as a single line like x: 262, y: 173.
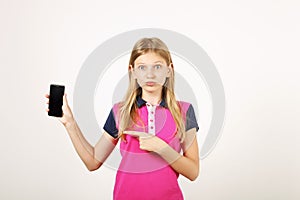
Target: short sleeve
x: 110, y: 125
x: 191, y: 121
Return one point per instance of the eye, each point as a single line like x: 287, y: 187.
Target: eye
x: 157, y: 66
x: 141, y: 67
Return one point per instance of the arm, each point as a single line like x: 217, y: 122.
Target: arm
x: 93, y: 157
x: 187, y: 165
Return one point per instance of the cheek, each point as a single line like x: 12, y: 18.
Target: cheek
x: 161, y: 78
x: 140, y: 80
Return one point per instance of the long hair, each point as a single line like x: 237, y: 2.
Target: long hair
x: 128, y: 107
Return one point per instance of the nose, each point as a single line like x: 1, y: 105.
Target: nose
x: 150, y: 73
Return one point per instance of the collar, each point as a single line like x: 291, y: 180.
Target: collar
x: 141, y: 102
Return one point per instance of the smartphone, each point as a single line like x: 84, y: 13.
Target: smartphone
x: 56, y: 100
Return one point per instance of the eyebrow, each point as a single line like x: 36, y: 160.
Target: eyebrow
x: 154, y: 62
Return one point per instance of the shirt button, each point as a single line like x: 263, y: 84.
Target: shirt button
x: 151, y: 127
x: 151, y: 120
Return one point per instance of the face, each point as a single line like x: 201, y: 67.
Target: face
x: 150, y: 70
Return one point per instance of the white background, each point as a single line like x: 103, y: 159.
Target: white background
x: 254, y: 45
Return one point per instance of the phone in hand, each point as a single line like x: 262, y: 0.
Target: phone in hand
x: 56, y: 100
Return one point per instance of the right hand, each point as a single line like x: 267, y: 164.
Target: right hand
x: 67, y: 116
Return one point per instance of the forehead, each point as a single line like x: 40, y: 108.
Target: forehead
x: 150, y: 57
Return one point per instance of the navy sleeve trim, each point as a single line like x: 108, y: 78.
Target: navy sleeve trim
x: 191, y: 121
x: 110, y: 125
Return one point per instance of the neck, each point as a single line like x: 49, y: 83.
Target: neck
x: 153, y: 98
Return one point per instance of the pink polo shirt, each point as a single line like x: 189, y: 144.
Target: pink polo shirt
x: 144, y: 175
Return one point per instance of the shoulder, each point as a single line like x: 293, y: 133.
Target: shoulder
x: 185, y: 106
x: 116, y: 107
x: 189, y: 115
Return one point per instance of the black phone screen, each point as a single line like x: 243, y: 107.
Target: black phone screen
x: 56, y: 100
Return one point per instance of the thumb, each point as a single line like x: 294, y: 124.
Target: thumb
x: 65, y: 99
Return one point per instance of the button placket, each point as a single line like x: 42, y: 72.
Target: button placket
x: 151, y: 118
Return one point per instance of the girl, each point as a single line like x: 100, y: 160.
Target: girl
x: 153, y: 128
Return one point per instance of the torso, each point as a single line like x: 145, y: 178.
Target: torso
x: 145, y: 175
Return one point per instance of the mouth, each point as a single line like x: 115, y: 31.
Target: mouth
x: 150, y: 83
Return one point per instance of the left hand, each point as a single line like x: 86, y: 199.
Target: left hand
x: 147, y: 141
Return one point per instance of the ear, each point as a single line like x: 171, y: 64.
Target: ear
x: 130, y: 69
x: 170, y: 68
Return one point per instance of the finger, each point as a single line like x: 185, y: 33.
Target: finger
x: 128, y: 132
x: 65, y: 99
x: 47, y: 95
x: 145, y: 137
x: 47, y: 110
x: 134, y: 133
x: 131, y: 134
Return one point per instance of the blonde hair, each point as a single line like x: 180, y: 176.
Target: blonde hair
x: 128, y: 107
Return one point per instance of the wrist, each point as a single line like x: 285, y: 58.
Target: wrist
x: 169, y: 154
x: 161, y: 148
x: 69, y: 124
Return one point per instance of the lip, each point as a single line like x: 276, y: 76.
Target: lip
x: 150, y: 83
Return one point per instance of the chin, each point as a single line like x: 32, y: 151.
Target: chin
x: 152, y: 88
